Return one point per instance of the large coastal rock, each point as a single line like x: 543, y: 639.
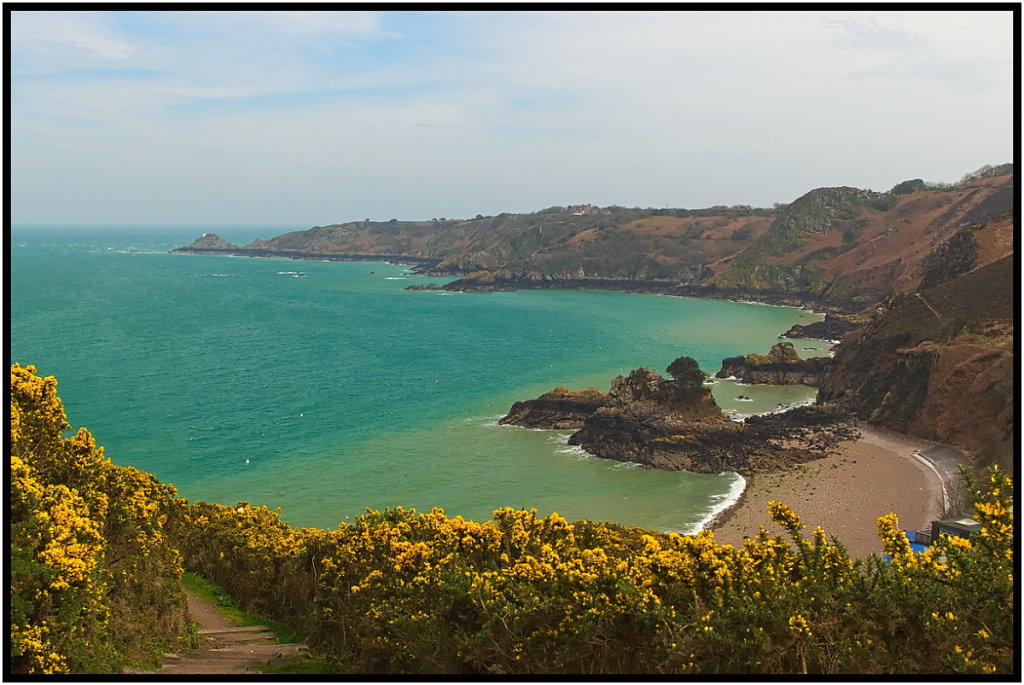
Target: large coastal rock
x: 781, y: 366
x: 834, y: 327
x: 714, y: 444
x: 560, y: 409
x: 673, y: 425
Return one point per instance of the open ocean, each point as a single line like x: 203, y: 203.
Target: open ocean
x: 326, y: 393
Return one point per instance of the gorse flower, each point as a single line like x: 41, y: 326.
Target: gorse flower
x: 94, y: 581
x: 400, y: 591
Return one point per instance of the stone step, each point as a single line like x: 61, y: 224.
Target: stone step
x: 234, y: 629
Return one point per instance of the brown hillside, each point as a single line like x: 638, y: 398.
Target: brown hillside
x: 938, y: 364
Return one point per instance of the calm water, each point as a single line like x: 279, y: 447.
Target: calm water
x: 337, y: 390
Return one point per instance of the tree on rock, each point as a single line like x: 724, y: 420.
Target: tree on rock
x: 687, y: 374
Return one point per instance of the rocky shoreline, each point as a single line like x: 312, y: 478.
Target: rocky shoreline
x: 499, y: 281
x: 781, y: 366
x: 832, y: 328
x: 646, y: 419
x: 490, y: 282
x: 428, y: 262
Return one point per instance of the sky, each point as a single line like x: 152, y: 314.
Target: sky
x: 303, y: 118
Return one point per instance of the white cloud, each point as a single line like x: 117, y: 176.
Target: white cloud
x: 431, y: 114
x: 41, y: 41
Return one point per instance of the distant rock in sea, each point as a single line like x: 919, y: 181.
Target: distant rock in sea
x: 208, y: 241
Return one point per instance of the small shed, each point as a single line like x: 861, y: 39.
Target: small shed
x: 963, y: 527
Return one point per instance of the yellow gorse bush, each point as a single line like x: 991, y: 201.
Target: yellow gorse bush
x: 400, y: 591
x: 406, y: 592
x: 95, y: 583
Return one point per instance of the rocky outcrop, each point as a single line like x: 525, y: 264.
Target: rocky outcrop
x: 559, y: 409
x: 665, y: 424
x: 956, y: 256
x: 834, y: 327
x: 208, y: 243
x: 714, y: 444
x: 781, y: 366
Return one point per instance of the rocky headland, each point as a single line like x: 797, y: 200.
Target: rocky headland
x: 836, y: 249
x: 781, y: 366
x: 675, y: 424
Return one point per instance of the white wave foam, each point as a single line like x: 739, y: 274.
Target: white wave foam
x: 394, y: 278
x: 779, y: 408
x: 765, y: 304
x: 721, y: 502
x: 490, y: 421
x: 287, y: 273
x: 575, y: 450
x: 560, y: 441
x: 626, y: 465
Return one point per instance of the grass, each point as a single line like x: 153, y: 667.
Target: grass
x: 301, y: 664
x: 228, y: 605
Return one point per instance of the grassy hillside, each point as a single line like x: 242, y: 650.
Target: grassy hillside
x: 844, y: 247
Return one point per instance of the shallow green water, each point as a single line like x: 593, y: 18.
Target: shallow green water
x: 237, y: 379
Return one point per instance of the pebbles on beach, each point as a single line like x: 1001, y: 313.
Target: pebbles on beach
x: 844, y: 494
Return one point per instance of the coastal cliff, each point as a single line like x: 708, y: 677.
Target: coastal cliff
x: 837, y: 249
x: 938, y: 364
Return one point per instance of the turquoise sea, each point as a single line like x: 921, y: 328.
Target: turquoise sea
x: 324, y: 388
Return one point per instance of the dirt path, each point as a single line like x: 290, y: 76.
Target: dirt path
x: 224, y: 647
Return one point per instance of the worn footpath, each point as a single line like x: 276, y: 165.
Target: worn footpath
x: 224, y: 648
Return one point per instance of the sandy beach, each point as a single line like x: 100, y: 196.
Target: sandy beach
x: 844, y: 494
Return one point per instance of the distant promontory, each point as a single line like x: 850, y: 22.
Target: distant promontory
x: 836, y: 249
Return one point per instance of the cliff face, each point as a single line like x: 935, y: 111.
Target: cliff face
x: 938, y: 364
x: 781, y: 366
x: 846, y: 244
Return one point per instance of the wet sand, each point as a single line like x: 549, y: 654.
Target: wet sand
x: 844, y: 494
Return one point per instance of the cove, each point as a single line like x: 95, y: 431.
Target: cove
x: 324, y: 388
